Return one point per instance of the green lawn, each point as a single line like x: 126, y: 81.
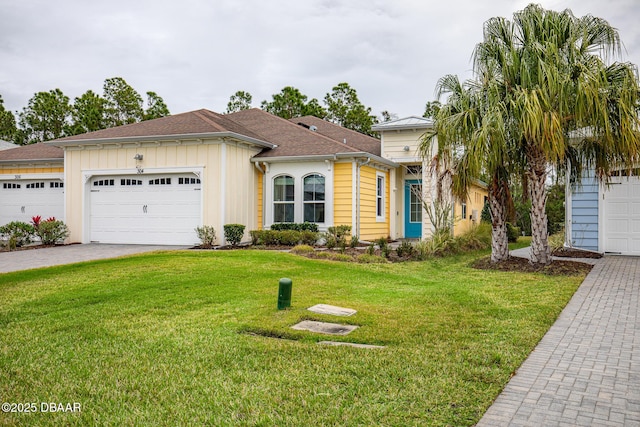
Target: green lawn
x: 176, y: 338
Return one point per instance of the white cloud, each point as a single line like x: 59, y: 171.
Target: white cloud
x: 196, y: 53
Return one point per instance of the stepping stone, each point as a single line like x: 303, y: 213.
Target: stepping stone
x: 350, y: 344
x: 324, y: 327
x: 332, y: 309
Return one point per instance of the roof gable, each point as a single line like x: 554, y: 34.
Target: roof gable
x: 411, y: 122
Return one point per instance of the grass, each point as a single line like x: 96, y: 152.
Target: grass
x: 186, y: 338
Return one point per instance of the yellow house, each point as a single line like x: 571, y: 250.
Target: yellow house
x: 414, y: 184
x: 154, y: 182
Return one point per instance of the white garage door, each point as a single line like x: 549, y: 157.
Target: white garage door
x: 21, y: 200
x: 150, y: 209
x: 622, y: 216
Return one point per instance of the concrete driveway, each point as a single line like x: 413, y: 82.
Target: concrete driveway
x: 46, y: 257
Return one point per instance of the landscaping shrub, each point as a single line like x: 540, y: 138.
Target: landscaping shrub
x: 383, y: 244
x: 370, y: 259
x: 405, y: 250
x: 51, y: 231
x: 233, y: 233
x: 556, y: 241
x: 337, y: 236
x: 283, y: 237
x: 207, y: 235
x: 302, y: 250
x: 513, y: 233
x: 17, y: 233
x: 355, y: 241
x: 304, y: 226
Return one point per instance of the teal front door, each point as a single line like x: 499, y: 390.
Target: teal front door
x: 413, y: 208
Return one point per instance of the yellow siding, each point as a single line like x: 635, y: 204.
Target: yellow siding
x: 260, y: 201
x: 475, y: 201
x: 370, y: 228
x: 33, y: 169
x: 343, y: 194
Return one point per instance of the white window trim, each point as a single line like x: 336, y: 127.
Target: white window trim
x: 381, y: 198
x: 275, y: 202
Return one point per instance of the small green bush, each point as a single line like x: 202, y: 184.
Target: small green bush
x: 383, y: 244
x: 302, y: 250
x: 52, y: 231
x: 233, y: 233
x: 283, y: 237
x: 304, y: 226
x: 337, y: 236
x: 17, y: 233
x: 370, y: 259
x: 308, y: 237
x: 355, y: 241
x: 405, y: 250
x: 207, y: 235
x: 513, y: 232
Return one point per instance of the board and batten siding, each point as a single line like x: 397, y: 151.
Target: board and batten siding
x: 225, y: 170
x: 394, y: 141
x: 370, y: 227
x: 584, y: 213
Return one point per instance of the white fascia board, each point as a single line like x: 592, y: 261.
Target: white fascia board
x: 153, y: 138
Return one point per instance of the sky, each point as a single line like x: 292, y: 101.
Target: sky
x: 197, y: 53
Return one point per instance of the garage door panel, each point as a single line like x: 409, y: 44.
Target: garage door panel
x: 20, y: 200
x: 148, y: 210
x: 621, y: 220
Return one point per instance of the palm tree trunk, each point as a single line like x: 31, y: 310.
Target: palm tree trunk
x: 498, y: 208
x: 537, y: 177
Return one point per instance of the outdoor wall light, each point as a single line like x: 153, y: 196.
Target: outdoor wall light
x: 138, y: 157
x: 406, y: 148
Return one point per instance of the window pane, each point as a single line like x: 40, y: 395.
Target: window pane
x: 314, y: 212
x: 283, y: 190
x: 415, y: 205
x: 314, y: 188
x: 283, y: 212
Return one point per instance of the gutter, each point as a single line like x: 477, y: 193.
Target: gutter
x: 322, y: 157
x: 152, y: 138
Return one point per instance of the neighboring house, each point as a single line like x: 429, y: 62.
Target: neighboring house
x: 414, y: 181
x: 31, y: 183
x: 5, y: 145
x: 605, y: 217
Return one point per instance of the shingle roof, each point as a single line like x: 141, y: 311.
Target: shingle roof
x: 37, y: 151
x: 193, y: 122
x: 354, y: 139
x: 295, y: 140
x: 288, y: 138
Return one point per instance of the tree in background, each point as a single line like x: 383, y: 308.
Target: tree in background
x: 7, y: 123
x: 431, y: 109
x: 345, y: 109
x: 156, y: 107
x: 87, y: 114
x: 386, y: 116
x: 123, y: 103
x: 239, y: 101
x: 45, y: 117
x: 290, y: 103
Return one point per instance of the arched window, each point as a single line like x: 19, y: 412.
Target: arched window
x: 313, y: 199
x: 283, y: 199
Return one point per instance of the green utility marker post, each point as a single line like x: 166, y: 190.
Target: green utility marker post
x: 284, y: 293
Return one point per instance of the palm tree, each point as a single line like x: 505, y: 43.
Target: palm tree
x: 471, y: 132
x: 555, y: 83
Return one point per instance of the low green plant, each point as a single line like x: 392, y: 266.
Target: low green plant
x: 354, y: 242
x: 385, y: 249
x: 52, y: 231
x: 233, y: 233
x: 370, y: 259
x: 283, y: 237
x: 302, y: 250
x: 371, y: 249
x: 18, y: 233
x: 304, y: 226
x: 556, y: 241
x: 337, y: 236
x: 513, y: 233
x: 405, y: 250
x: 207, y: 235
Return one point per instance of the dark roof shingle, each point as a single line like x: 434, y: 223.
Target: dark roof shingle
x: 37, y: 151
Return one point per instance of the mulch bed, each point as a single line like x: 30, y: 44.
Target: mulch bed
x: 575, y: 253
x: 557, y: 267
